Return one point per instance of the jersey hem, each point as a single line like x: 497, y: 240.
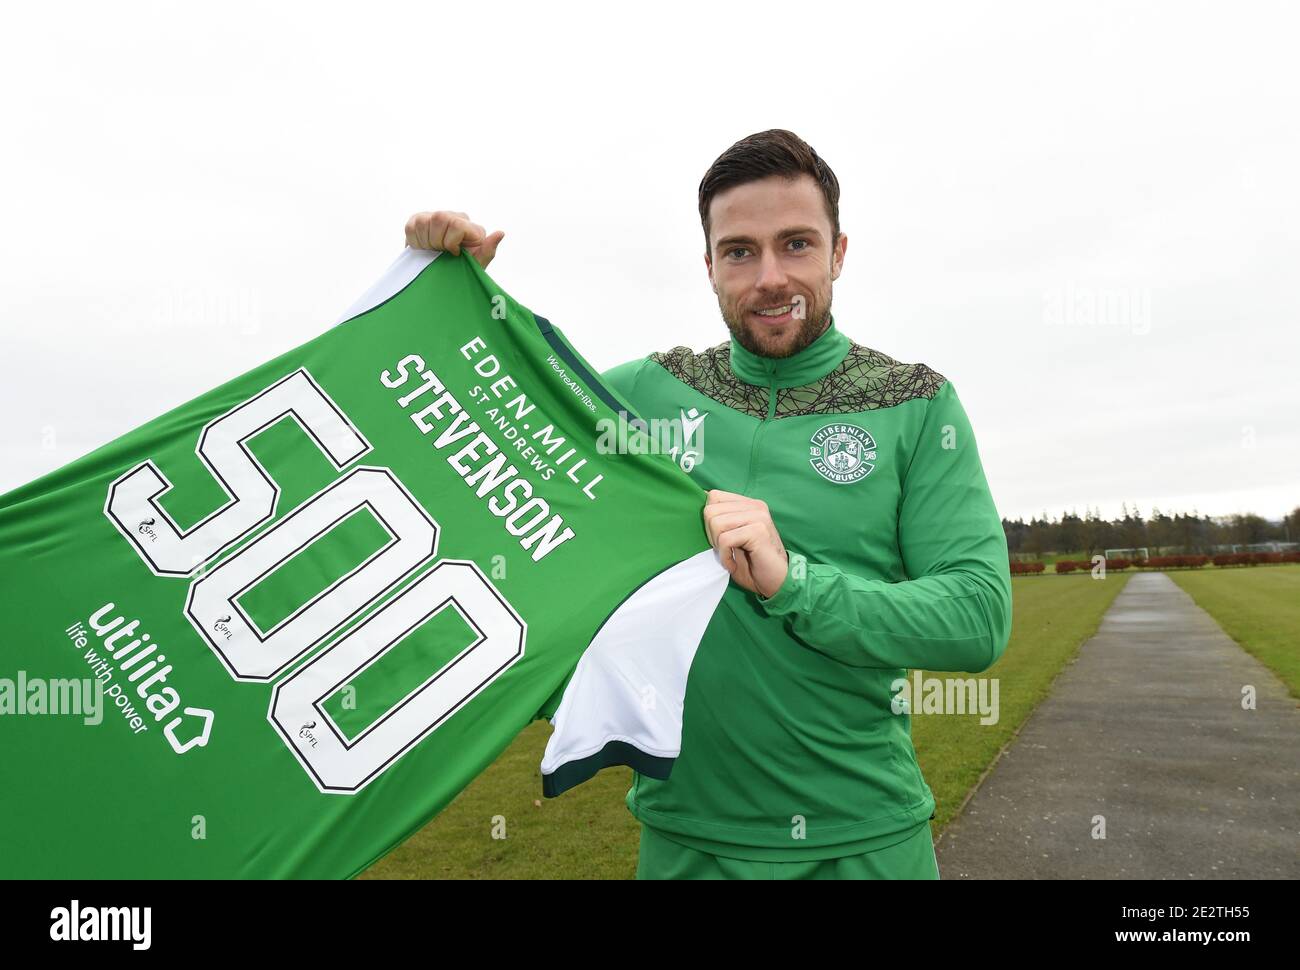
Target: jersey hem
x: 792, y: 852
x: 574, y: 773
x: 739, y: 842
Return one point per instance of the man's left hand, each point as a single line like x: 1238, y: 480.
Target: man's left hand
x: 742, y: 531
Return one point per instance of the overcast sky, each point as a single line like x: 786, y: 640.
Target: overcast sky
x: 1084, y: 215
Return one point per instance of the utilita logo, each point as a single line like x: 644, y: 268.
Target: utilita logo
x: 102, y: 924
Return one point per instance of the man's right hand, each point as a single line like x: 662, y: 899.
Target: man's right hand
x: 451, y: 232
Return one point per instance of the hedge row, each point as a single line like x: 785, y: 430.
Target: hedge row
x: 1026, y: 568
x: 1161, y: 562
x: 1255, y: 558
x: 1112, y: 565
x: 1177, y: 562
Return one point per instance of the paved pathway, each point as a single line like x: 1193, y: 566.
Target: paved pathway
x: 1147, y: 729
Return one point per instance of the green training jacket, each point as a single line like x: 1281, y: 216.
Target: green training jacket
x: 898, y: 559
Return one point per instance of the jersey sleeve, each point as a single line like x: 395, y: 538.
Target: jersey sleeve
x: 622, y: 379
x: 549, y: 708
x: 954, y: 612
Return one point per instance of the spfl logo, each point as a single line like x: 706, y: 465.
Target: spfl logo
x: 145, y: 528
x: 842, y: 453
x: 304, y: 732
x: 223, y: 625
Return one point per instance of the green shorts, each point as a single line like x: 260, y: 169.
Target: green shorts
x: 912, y: 858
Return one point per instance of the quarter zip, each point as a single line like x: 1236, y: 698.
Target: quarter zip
x: 758, y: 433
x: 809, y: 365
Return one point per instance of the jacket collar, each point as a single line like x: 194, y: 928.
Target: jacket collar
x: 811, y: 364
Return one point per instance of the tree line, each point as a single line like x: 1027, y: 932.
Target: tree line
x: 1161, y: 534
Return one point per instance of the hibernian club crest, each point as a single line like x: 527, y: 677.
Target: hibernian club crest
x: 842, y: 453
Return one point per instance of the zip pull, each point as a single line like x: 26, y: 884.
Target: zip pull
x: 769, y: 366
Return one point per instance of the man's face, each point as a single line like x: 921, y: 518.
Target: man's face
x: 771, y: 249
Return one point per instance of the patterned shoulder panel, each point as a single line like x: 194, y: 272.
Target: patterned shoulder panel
x: 865, y: 380
x: 709, y: 372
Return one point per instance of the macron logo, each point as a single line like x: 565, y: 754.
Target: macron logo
x: 112, y: 923
x: 691, y: 421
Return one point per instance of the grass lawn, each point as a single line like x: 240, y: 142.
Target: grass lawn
x: 587, y: 833
x: 1258, y: 606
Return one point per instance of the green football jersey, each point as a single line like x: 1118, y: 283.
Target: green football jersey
x: 274, y: 631
x: 794, y: 745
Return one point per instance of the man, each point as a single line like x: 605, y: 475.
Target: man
x: 848, y: 502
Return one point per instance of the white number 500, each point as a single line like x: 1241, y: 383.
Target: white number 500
x: 335, y: 762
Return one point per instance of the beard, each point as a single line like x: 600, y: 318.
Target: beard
x: 759, y: 341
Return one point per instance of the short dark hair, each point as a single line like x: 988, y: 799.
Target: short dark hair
x: 763, y: 154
